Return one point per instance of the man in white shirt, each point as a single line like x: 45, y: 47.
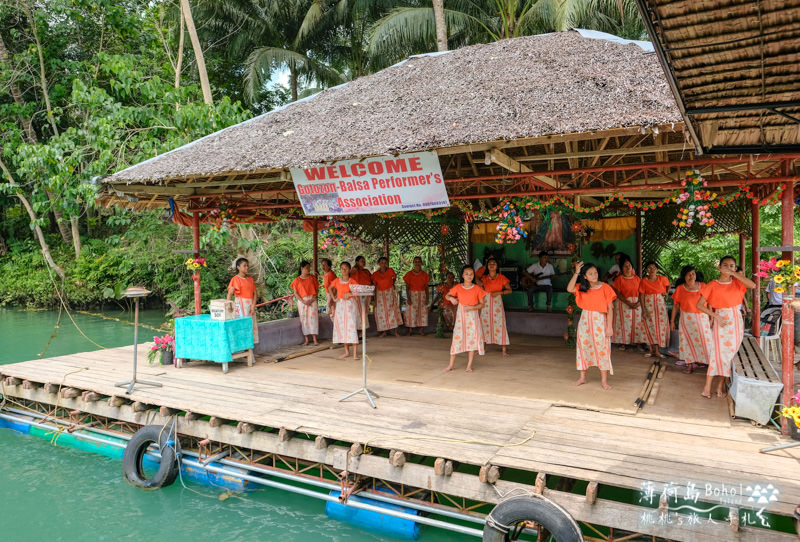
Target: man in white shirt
x: 775, y: 299
x: 541, y: 273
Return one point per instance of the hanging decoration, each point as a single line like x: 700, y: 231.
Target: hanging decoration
x: 445, y: 229
x: 333, y: 234
x: 510, y: 229
x: 695, y: 201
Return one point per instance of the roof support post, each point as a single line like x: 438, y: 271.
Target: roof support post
x: 639, y: 241
x: 787, y: 319
x: 755, y: 239
x: 315, y: 240
x: 196, y: 247
x: 742, y: 250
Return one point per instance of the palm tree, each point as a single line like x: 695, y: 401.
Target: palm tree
x: 410, y: 29
x: 272, y: 35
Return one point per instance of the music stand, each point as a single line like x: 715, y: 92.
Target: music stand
x: 362, y: 292
x: 135, y: 293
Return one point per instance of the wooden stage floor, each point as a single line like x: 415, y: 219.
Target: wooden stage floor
x: 583, y: 433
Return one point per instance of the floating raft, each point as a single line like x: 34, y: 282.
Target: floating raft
x: 462, y: 442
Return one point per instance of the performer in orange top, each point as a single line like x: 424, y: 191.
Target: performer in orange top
x: 448, y: 309
x: 720, y: 300
x: 417, y: 298
x: 387, y: 305
x: 345, y: 329
x: 305, y: 288
x: 595, y: 329
x: 652, y: 290
x: 467, y: 331
x: 695, y: 342
x: 628, y: 325
x: 493, y: 315
x: 361, y: 275
x: 242, y: 288
x: 327, y: 276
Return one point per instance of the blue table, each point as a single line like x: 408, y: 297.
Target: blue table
x: 221, y: 341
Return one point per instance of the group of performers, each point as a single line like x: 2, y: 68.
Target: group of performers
x: 632, y: 311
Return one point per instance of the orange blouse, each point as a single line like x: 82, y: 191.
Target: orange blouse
x: 243, y: 288
x: 416, y: 282
x: 481, y: 271
x: 468, y: 297
x: 361, y: 276
x: 384, y: 280
x: 491, y: 285
x: 686, y: 300
x: 328, y: 278
x: 342, y: 288
x: 627, y: 286
x: 305, y: 286
x: 721, y: 295
x: 596, y: 299
x: 659, y: 286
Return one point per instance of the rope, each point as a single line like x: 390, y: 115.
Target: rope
x: 63, y: 303
x: 114, y: 319
x: 367, y: 449
x: 52, y: 335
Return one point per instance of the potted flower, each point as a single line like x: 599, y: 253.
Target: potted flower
x: 782, y: 272
x: 163, y: 347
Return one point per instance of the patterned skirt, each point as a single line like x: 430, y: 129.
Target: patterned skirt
x: 656, y: 323
x: 387, y: 310
x: 493, y: 318
x: 449, y: 315
x: 726, y: 341
x: 344, y: 321
x: 628, y: 325
x: 416, y: 310
x: 244, y: 307
x: 467, y: 332
x: 593, y: 347
x: 309, y: 316
x: 696, y: 343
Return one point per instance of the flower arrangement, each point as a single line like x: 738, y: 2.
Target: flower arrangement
x: 194, y: 264
x: 582, y: 231
x: 162, y: 344
x: 695, y: 201
x: 510, y: 228
x: 793, y: 411
x: 332, y: 234
x: 781, y: 271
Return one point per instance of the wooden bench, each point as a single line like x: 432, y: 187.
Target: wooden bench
x: 755, y: 386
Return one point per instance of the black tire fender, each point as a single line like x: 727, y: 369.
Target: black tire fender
x: 510, y: 512
x: 137, y: 446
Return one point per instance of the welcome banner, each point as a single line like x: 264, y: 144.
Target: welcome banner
x: 381, y: 184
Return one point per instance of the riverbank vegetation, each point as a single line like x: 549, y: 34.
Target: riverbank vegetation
x: 89, y: 87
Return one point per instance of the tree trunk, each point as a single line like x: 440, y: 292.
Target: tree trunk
x: 179, y: 60
x: 293, y: 83
x: 76, y: 236
x: 27, y: 125
x: 61, y: 222
x: 42, y: 77
x: 441, y: 27
x: 198, y: 52
x: 36, y: 229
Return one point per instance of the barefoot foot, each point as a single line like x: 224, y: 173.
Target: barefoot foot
x: 606, y: 386
x: 579, y: 382
x: 469, y: 369
x: 343, y: 356
x: 448, y: 368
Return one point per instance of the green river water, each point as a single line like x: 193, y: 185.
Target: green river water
x: 50, y: 493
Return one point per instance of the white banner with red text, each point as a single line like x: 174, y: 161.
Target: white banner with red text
x: 382, y: 184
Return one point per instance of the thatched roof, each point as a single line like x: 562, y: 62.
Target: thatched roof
x: 734, y: 66
x: 519, y: 88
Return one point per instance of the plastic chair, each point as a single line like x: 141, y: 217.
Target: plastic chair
x: 771, y: 346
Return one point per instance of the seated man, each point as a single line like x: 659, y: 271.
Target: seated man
x: 540, y: 274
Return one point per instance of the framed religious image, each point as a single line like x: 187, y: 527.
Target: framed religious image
x: 551, y: 230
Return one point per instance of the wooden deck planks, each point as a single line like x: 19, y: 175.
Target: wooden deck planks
x: 611, y: 449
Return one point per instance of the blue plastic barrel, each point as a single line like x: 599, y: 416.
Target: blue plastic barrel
x: 374, y: 522
x: 21, y: 427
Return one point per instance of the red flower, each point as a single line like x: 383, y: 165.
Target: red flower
x: 570, y: 310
